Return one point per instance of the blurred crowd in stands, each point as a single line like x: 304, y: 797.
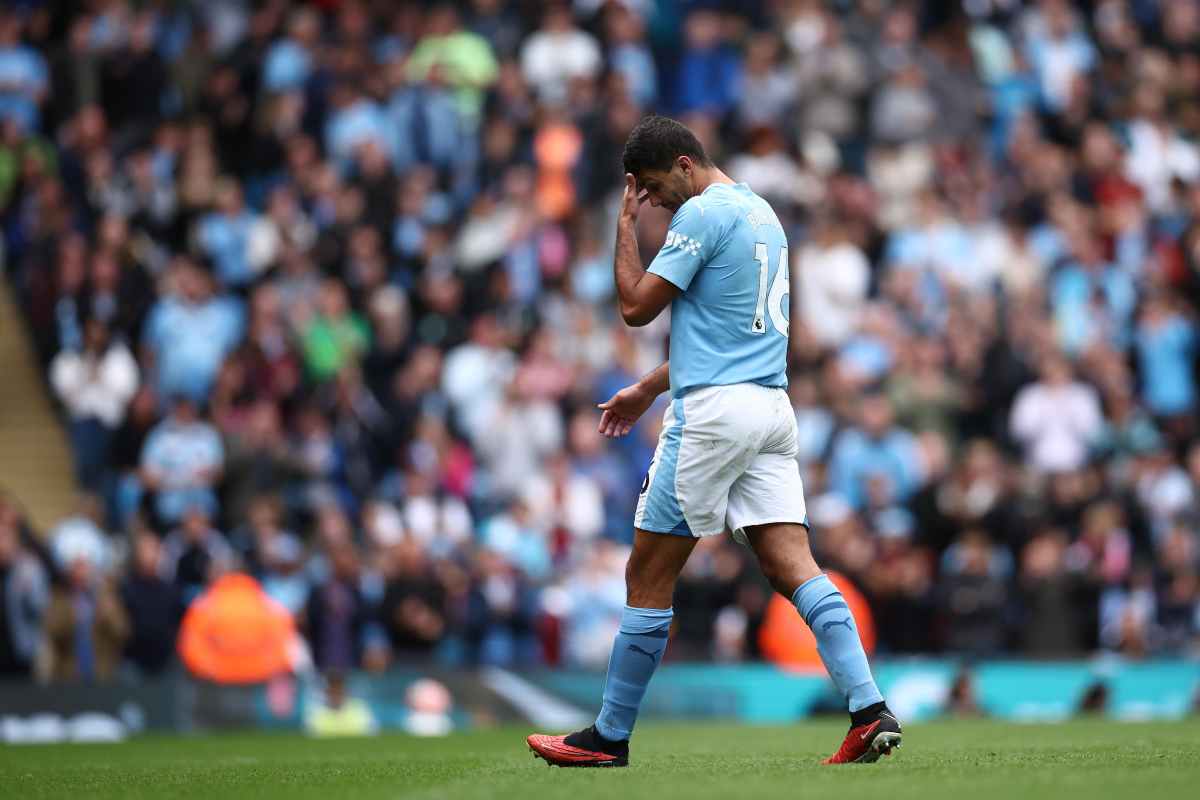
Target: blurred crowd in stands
x: 324, y: 291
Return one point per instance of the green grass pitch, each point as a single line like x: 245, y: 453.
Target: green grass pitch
x: 958, y: 760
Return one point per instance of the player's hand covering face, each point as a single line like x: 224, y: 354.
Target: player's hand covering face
x: 669, y: 189
x: 633, y: 198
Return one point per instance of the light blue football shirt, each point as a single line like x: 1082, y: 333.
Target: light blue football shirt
x: 727, y: 252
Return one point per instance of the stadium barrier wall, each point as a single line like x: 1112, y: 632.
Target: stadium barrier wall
x: 756, y: 693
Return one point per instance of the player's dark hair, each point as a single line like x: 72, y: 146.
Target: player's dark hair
x: 656, y: 142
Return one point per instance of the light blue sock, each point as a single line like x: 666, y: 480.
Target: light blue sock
x: 824, y: 609
x: 637, y: 651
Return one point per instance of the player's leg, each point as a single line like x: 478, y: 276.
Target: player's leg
x: 766, y: 510
x: 706, y: 442
x: 661, y: 546
x: 650, y: 575
x: 786, y: 560
x: 701, y: 454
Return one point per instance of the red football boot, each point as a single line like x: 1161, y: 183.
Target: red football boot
x: 585, y: 748
x: 865, y: 743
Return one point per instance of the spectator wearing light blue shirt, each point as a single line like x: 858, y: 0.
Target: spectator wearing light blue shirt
x: 866, y: 357
x: 936, y: 242
x: 425, y: 126
x: 181, y: 462
x: 23, y: 76
x: 589, y: 603
x: 1092, y: 300
x: 815, y: 424
x: 189, y: 333
x: 289, y: 63
x: 629, y: 55
x: 1166, y: 351
x: 513, y: 535
x: 869, y: 355
x: 875, y: 449
x: 1014, y: 95
x: 224, y: 236
x: 1059, y: 51
x: 354, y: 120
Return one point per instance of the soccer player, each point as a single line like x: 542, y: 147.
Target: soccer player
x: 726, y: 458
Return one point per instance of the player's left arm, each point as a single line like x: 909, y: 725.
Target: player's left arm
x: 642, y: 295
x: 624, y: 408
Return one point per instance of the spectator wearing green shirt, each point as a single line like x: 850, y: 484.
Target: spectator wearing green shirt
x: 335, y: 335
x: 16, y: 149
x: 465, y: 59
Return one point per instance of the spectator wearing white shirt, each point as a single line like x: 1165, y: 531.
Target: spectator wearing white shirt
x: 834, y: 276
x: 564, y: 501
x: 1008, y: 253
x: 80, y: 535
x: 558, y: 52
x: 766, y: 167
x: 438, y: 520
x: 1056, y: 419
x: 475, y: 373
x: 1158, y: 155
x: 1163, y: 489
x: 95, y: 385
x: 515, y: 440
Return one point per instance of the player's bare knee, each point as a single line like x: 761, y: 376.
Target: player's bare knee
x: 778, y: 574
x: 653, y: 567
x: 649, y: 583
x: 654, y: 590
x: 783, y: 555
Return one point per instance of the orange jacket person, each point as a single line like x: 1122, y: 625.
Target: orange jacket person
x: 786, y: 641
x: 235, y: 633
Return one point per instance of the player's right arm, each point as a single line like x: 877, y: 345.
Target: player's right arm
x: 642, y: 295
x: 624, y: 408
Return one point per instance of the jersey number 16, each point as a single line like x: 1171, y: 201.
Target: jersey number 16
x: 771, y: 302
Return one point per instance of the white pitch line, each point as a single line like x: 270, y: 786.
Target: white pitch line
x: 542, y: 708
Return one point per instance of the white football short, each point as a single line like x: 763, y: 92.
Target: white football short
x: 726, y: 460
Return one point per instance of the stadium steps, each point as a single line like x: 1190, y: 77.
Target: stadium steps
x: 35, y: 456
